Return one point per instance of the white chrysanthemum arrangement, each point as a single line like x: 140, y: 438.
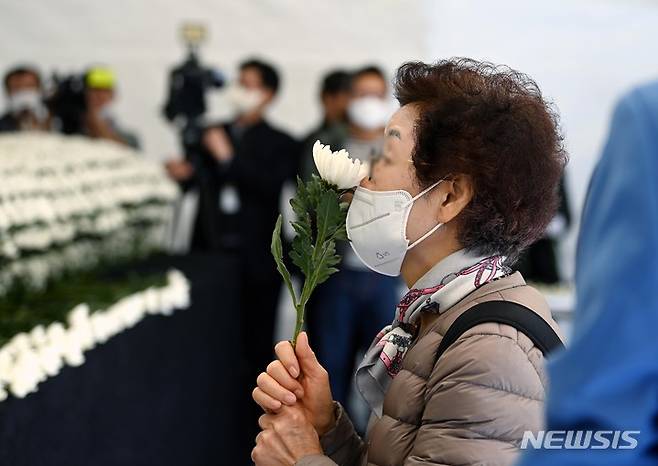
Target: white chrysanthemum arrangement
x: 69, y: 205
x: 60, y: 193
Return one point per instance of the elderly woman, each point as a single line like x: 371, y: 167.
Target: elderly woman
x: 468, y: 178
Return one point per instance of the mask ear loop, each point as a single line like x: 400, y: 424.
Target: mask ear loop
x: 415, y: 243
x: 433, y: 229
x: 423, y: 192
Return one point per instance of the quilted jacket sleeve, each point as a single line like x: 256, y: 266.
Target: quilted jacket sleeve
x: 483, y: 393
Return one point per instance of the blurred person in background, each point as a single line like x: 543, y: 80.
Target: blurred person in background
x: 540, y: 263
x: 354, y: 304
x: 99, y: 119
x: 334, y: 97
x: 250, y: 160
x: 608, y: 377
x: 25, y: 104
x: 468, y: 178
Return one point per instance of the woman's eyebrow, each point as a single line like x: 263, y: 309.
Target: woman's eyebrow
x: 394, y: 133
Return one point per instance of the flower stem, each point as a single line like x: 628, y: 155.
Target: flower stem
x: 298, y: 324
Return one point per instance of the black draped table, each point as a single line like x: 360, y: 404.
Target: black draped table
x: 168, y: 391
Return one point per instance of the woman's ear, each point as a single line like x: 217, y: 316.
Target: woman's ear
x: 455, y: 194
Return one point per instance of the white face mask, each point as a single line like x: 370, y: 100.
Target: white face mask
x: 369, y: 112
x: 243, y: 100
x: 377, y: 227
x: 27, y: 100
x: 108, y: 111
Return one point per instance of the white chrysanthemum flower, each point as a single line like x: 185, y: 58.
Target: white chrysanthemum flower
x: 38, y: 336
x: 50, y: 359
x: 72, y: 350
x: 338, y: 168
x: 26, y: 374
x: 167, y: 301
x: 113, y: 321
x: 6, y: 362
x: 151, y: 298
x: 100, y: 326
x: 79, y: 315
x: 130, y: 310
x: 55, y: 332
x: 181, y: 296
x: 20, y: 342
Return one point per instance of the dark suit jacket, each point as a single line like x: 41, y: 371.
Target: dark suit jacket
x: 264, y: 158
x: 8, y: 123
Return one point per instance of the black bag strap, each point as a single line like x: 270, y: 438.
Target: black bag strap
x: 520, y: 317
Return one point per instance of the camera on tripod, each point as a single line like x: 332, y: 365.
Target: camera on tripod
x: 67, y: 100
x: 188, y: 84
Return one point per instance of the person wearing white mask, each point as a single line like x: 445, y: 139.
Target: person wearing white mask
x: 246, y: 147
x: 25, y: 107
x: 468, y: 178
x: 246, y: 164
x: 355, y: 303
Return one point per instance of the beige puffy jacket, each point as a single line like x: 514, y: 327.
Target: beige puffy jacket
x: 470, y: 407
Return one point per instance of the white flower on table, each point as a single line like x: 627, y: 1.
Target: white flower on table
x: 20, y: 341
x: 38, y: 336
x: 31, y: 357
x: 338, y: 167
x: 101, y: 327
x: 80, y: 323
x: 56, y: 334
x: 26, y: 374
x: 79, y: 315
x: 6, y: 362
x: 72, y: 350
x: 130, y: 309
x: 51, y: 359
x: 152, y: 301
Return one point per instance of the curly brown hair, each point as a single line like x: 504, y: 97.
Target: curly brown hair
x: 492, y: 124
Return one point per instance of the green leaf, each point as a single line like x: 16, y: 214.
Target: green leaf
x: 302, y: 254
x: 320, y: 223
x: 330, y: 217
x: 327, y: 260
x: 277, y: 253
x: 340, y: 234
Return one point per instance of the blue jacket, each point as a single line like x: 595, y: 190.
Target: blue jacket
x: 608, y: 377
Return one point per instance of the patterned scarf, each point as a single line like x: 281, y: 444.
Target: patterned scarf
x: 383, y: 360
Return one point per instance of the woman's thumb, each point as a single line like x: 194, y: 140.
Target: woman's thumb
x: 307, y: 360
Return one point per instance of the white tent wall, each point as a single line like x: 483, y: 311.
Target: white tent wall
x: 584, y: 53
x: 139, y: 39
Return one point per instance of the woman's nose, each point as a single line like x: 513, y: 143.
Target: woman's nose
x: 367, y: 183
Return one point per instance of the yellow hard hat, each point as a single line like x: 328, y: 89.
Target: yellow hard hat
x: 100, y: 78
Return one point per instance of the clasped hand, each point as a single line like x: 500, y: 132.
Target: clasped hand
x: 295, y: 395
